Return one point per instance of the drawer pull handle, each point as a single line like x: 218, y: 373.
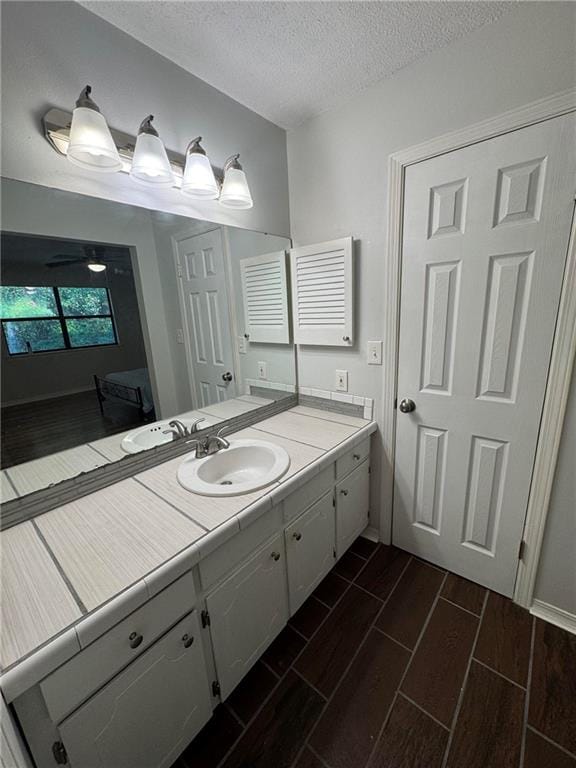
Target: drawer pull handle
x: 187, y: 640
x: 356, y: 456
x: 135, y: 639
x: 345, y: 338
x: 275, y: 556
x: 297, y: 536
x: 343, y: 492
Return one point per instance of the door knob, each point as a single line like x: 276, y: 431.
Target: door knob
x: 275, y: 556
x: 227, y: 376
x: 297, y: 536
x: 187, y: 640
x: 406, y: 405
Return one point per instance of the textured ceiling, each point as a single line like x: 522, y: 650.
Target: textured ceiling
x: 289, y: 61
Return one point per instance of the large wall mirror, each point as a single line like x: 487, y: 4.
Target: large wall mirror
x: 124, y: 329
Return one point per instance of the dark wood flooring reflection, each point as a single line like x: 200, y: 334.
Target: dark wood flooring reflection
x: 33, y: 430
x: 394, y: 663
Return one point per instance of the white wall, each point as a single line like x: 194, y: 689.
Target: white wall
x: 51, y: 50
x: 337, y: 162
x: 556, y: 580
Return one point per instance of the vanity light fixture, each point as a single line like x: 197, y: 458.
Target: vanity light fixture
x: 199, y: 180
x: 91, y: 144
x: 235, y: 190
x: 85, y: 138
x: 150, y: 164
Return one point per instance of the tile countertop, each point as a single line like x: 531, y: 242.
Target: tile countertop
x: 72, y: 573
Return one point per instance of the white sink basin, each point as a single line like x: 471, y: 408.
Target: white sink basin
x: 151, y: 435
x: 244, y: 467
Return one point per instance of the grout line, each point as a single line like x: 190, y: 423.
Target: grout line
x: 464, y: 683
x: 410, y: 660
x: 446, y: 600
x: 496, y: 672
x: 268, y: 667
x: 438, y: 722
x: 357, y: 653
x: 325, y: 698
x: 230, y: 708
x: 551, y: 741
x: 11, y: 482
x: 316, y: 755
x: 393, y: 639
x: 60, y: 570
x: 293, y: 628
x: 184, y: 514
x: 528, y: 692
x: 91, y: 445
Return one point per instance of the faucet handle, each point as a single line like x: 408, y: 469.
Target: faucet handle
x: 194, y: 426
x: 221, y: 438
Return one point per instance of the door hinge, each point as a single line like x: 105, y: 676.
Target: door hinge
x: 333, y: 501
x: 179, y: 270
x: 205, y: 618
x: 395, y: 403
x: 334, y: 553
x: 216, y: 688
x: 59, y: 752
x: 522, y: 550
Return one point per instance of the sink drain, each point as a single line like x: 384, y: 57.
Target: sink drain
x: 226, y: 482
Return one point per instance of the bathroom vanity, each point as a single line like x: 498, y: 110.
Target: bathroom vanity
x: 159, y: 601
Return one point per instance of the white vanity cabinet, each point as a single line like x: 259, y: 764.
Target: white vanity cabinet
x: 352, y: 506
x: 149, y: 712
x: 246, y: 612
x: 310, y: 549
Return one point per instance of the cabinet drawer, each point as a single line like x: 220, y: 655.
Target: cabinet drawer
x: 310, y: 543
x: 352, y: 505
x: 301, y: 499
x: 148, y: 713
x: 76, y: 680
x: 239, y: 547
x: 352, y: 459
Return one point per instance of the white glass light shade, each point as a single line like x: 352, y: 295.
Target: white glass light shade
x: 235, y: 191
x: 150, y: 164
x: 96, y: 266
x: 199, y: 180
x: 91, y: 145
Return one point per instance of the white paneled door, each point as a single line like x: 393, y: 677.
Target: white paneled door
x: 201, y: 271
x: 486, y: 232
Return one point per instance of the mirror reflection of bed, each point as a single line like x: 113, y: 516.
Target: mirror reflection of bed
x: 74, y: 366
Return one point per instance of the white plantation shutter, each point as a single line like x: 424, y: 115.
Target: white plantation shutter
x: 322, y: 293
x: 265, y: 292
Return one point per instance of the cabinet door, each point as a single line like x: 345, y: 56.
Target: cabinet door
x: 310, y: 542
x: 352, y: 505
x: 246, y: 613
x: 150, y: 712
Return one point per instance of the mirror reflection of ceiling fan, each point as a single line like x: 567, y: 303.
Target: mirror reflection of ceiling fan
x: 96, y: 257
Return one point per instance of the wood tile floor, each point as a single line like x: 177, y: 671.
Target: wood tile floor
x: 393, y: 663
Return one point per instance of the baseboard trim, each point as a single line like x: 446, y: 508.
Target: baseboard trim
x: 371, y: 533
x: 553, y: 615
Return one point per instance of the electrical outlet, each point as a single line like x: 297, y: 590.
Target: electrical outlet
x: 242, y: 345
x: 179, y: 336
x: 374, y: 353
x: 262, y: 370
x: 342, y: 381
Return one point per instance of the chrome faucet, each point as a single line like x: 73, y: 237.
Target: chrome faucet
x: 178, y: 429
x: 209, y: 445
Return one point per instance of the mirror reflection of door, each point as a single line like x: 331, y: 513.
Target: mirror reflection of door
x: 205, y: 312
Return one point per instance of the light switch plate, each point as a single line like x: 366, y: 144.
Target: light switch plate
x: 341, y: 381
x: 374, y: 353
x: 262, y: 370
